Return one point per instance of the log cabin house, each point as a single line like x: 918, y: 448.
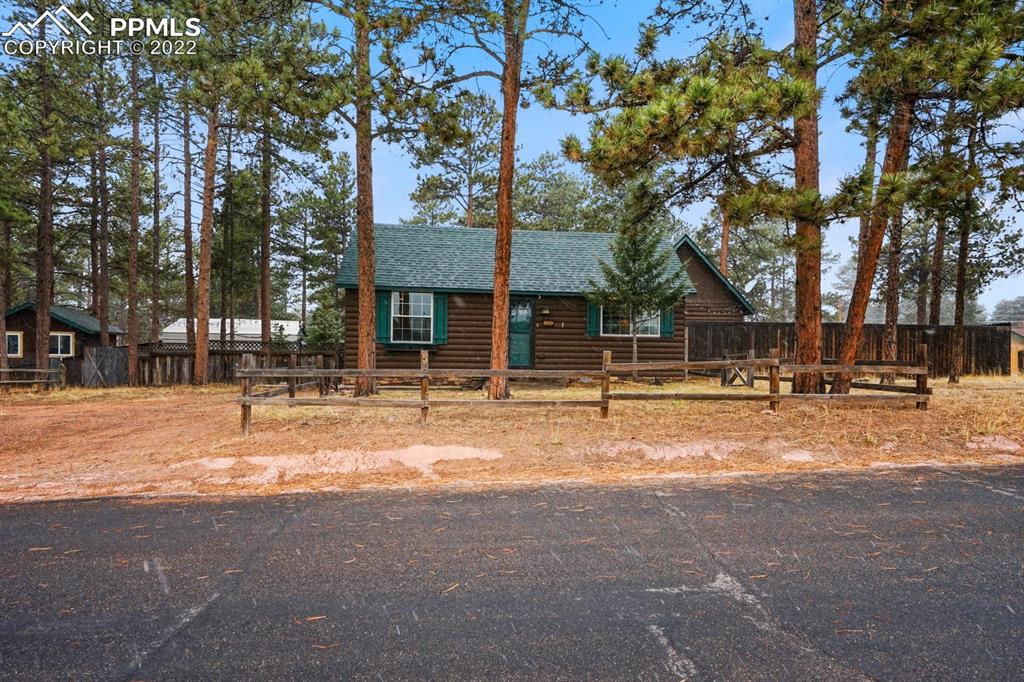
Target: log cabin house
x: 71, y: 331
x: 434, y: 287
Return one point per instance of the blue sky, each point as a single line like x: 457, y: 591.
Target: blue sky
x: 541, y: 130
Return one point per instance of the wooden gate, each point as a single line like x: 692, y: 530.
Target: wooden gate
x: 104, y: 367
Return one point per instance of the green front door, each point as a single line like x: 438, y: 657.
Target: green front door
x: 520, y: 332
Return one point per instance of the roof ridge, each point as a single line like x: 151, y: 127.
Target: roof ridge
x: 466, y: 228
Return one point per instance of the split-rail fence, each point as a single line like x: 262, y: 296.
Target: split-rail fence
x: 328, y: 380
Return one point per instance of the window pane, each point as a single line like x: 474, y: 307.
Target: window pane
x: 12, y: 344
x: 60, y: 344
x: 411, y: 316
x: 615, y: 322
x: 650, y: 325
x: 400, y: 329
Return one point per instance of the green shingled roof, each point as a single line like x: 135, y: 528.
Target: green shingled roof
x: 73, y: 317
x: 440, y: 258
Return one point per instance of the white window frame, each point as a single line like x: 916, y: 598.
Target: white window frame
x: 657, y: 325
x: 71, y: 345
x: 395, y: 295
x: 21, y: 344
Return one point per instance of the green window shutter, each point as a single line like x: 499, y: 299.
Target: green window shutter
x: 593, y: 319
x: 668, y: 323
x: 383, y: 316
x: 440, y: 319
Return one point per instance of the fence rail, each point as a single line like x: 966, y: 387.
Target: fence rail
x: 321, y: 378
x: 46, y: 378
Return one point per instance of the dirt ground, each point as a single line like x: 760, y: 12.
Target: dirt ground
x: 81, y: 443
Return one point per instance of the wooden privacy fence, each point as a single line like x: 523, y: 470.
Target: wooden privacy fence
x: 174, y: 363
x: 986, y: 347
x: 43, y: 378
x: 325, y: 379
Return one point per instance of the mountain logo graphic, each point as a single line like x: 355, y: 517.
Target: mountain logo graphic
x: 54, y: 18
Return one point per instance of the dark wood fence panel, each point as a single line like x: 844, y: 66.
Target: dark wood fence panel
x: 104, y: 367
x: 158, y: 367
x: 986, y: 348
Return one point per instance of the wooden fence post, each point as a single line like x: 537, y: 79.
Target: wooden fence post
x: 424, y: 384
x: 246, y: 392
x: 922, y: 379
x: 606, y: 359
x: 773, y: 380
x: 291, y: 380
x: 750, y: 369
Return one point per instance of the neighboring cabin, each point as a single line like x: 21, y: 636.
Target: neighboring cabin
x: 433, y: 292
x: 71, y: 331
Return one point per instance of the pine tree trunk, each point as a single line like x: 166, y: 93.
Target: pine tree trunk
x: 962, y: 260
x: 201, y: 374
x: 103, y: 304
x: 155, y: 246
x: 895, y: 162
x: 366, y: 351
x: 133, y: 231
x: 957, y: 361
x: 265, y: 221
x: 5, y: 290
x: 94, y: 234
x: 868, y: 175
x: 939, y: 255
x: 938, y: 258
x: 807, y: 328
x: 190, y: 281
x: 892, y: 293
x: 515, y: 14
x: 44, y: 236
x: 227, y: 278
x: 304, y: 264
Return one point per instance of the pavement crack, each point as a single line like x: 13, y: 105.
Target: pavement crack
x: 725, y: 583
x: 193, y: 615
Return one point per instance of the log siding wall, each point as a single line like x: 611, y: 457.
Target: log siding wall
x: 713, y: 300
x: 562, y: 343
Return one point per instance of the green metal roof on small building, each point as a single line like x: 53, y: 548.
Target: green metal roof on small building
x: 72, y: 317
x: 442, y: 258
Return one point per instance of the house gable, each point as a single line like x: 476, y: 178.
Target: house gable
x: 716, y: 298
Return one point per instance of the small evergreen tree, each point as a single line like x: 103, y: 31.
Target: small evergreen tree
x: 643, y: 277
x: 326, y: 329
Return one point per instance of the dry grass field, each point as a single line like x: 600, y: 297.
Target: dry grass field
x: 81, y: 442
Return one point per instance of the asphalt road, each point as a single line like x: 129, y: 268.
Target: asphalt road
x: 912, y: 575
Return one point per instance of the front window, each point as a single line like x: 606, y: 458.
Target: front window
x: 62, y: 344
x: 616, y: 323
x: 412, y: 317
x: 14, y: 344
